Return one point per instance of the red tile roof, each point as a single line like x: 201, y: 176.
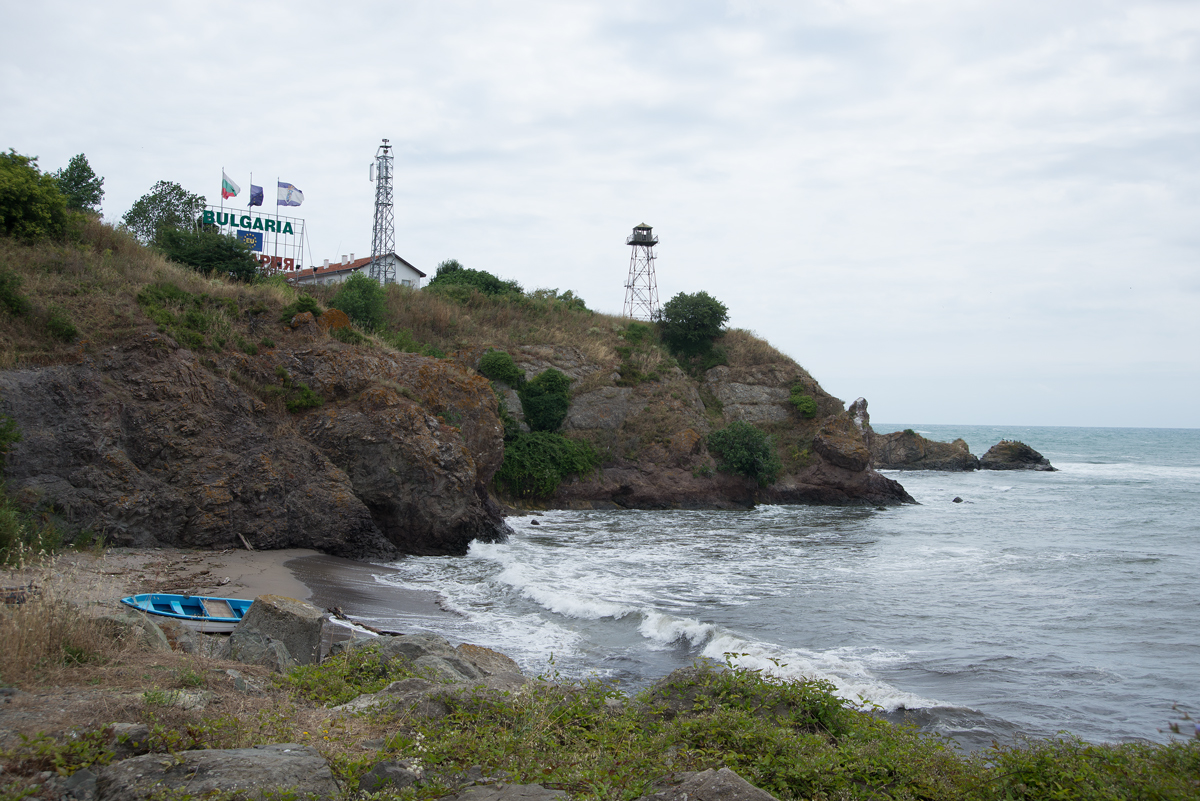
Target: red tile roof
x: 337, y: 267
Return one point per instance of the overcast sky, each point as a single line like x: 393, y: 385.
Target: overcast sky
x: 967, y: 212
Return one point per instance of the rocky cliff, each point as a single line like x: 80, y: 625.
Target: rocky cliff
x: 652, y: 437
x: 150, y: 444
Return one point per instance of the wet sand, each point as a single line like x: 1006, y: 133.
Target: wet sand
x: 352, y: 587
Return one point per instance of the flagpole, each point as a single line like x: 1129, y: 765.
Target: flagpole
x: 222, y: 193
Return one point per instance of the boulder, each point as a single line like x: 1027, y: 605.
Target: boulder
x: 278, y: 632
x: 708, y: 785
x: 506, y: 792
x: 1008, y: 454
x: 127, y: 623
x: 239, y: 772
x: 466, y: 664
x: 908, y: 450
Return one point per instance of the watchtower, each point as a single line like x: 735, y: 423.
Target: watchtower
x: 383, y: 237
x: 641, y: 288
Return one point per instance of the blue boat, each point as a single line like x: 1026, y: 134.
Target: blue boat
x: 199, y: 612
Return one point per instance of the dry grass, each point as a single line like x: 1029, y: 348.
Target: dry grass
x: 745, y: 349
x: 53, y: 630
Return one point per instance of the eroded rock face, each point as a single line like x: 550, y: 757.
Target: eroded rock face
x: 908, y: 450
x: 1012, y: 455
x: 148, y: 446
x: 843, y: 444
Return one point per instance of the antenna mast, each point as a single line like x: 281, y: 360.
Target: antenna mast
x: 383, y: 237
x: 641, y: 288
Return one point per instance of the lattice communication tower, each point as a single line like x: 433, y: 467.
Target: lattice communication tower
x: 383, y: 238
x: 641, y: 288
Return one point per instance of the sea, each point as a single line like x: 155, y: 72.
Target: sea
x: 1042, y: 603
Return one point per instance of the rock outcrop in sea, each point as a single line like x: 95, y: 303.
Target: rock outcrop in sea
x: 908, y: 450
x: 1008, y: 454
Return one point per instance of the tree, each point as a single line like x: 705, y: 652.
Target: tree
x: 167, y: 205
x: 31, y: 205
x: 692, y: 322
x: 363, y: 299
x: 742, y: 448
x: 209, y: 252
x: 82, y: 189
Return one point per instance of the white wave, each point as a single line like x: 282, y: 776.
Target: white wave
x: 845, y: 668
x: 664, y: 630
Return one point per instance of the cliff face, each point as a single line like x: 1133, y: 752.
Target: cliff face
x: 150, y: 444
x: 652, y: 437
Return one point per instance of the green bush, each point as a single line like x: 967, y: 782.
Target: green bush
x: 60, y: 325
x: 805, y: 404
x: 499, y: 366
x: 690, y: 323
x: 10, y: 294
x: 545, y: 400
x: 452, y: 274
x: 363, y: 299
x: 535, y: 463
x: 31, y: 206
x: 742, y: 448
x: 350, y: 336
x: 304, y: 303
x: 209, y: 253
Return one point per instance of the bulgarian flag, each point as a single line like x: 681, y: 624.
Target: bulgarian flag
x: 228, y: 187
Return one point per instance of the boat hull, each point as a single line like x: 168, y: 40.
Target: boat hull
x: 202, y: 613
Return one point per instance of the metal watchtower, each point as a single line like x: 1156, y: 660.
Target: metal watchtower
x: 641, y: 288
x: 383, y: 237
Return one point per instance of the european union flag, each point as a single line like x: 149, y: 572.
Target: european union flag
x: 252, y: 238
x: 256, y: 195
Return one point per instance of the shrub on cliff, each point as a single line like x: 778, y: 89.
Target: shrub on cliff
x: 742, y: 448
x: 31, y: 205
x: 545, y: 400
x: 499, y: 366
x: 210, y: 253
x: 363, y: 299
x: 451, y: 274
x: 535, y: 463
x: 805, y: 404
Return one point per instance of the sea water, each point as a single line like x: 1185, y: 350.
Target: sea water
x: 1041, y: 602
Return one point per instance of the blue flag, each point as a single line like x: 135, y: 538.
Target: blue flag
x: 289, y: 195
x: 252, y: 238
x: 256, y: 195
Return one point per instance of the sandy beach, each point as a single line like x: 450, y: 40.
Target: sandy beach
x: 101, y: 578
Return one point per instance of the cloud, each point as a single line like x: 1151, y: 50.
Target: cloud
x: 907, y: 197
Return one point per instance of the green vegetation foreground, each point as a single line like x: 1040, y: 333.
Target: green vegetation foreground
x: 794, y: 739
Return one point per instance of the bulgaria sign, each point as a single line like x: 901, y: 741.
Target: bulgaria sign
x: 277, y: 241
x: 248, y: 222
